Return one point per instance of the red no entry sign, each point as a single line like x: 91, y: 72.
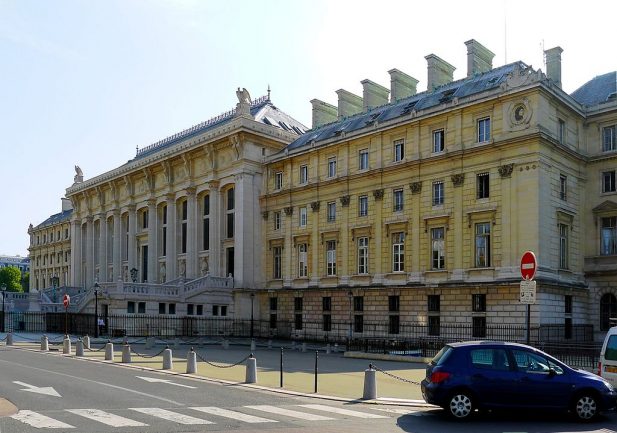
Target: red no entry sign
x: 66, y: 300
x: 529, y: 265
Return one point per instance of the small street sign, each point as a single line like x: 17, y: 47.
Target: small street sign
x: 66, y: 300
x: 529, y: 265
x: 528, y: 292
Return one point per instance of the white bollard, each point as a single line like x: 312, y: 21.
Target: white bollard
x: 126, y: 354
x: 44, y: 343
x: 9, y: 339
x: 86, y: 341
x: 328, y: 349
x: 66, y: 346
x: 79, y: 348
x: 225, y: 344
x: 252, y: 345
x: 370, y: 384
x: 168, y: 363
x: 109, y: 351
x: 251, y: 369
x: 191, y: 362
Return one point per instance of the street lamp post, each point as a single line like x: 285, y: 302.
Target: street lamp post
x: 350, y: 294
x: 96, y: 309
x: 252, y: 299
x: 3, y: 287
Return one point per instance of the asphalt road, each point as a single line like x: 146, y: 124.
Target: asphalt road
x: 97, y: 397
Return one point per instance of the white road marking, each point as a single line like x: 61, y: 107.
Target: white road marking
x: 167, y: 381
x: 171, y: 416
x: 233, y: 415
x: 37, y: 420
x: 290, y: 413
x: 396, y: 410
x: 341, y: 411
x: 45, y: 390
x: 107, y: 418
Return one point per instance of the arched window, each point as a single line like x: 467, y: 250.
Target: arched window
x: 608, y: 310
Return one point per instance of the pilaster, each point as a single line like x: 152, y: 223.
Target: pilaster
x: 172, y: 231
x: 152, y: 243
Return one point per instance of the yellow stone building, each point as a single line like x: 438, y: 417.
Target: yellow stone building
x: 415, y: 209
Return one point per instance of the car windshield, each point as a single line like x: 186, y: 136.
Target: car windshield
x: 611, y: 348
x: 441, y: 356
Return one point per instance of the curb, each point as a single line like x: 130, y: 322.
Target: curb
x: 378, y: 401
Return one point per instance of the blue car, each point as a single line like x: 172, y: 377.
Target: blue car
x: 467, y: 376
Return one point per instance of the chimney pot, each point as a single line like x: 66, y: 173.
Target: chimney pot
x: 401, y: 85
x: 373, y: 95
x: 348, y: 104
x: 479, y: 58
x: 323, y: 113
x: 440, y: 72
x: 553, y: 64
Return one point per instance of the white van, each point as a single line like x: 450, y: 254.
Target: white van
x: 607, y: 367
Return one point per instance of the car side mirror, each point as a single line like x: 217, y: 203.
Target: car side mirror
x: 552, y: 372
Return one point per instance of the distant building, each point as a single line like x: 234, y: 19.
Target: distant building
x: 21, y: 263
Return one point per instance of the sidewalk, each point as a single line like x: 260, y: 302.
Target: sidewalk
x: 338, y: 377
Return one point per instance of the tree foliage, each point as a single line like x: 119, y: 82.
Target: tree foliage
x: 25, y: 282
x: 10, y: 278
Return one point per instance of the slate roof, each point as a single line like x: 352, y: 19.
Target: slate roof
x: 262, y: 109
x: 601, y: 89
x: 421, y: 101
x: 56, y: 218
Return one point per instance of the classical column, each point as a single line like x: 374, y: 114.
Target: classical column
x: 172, y: 230
x: 102, y: 247
x: 132, y: 246
x: 191, y: 233
x: 152, y: 243
x: 89, y: 253
x: 117, y: 251
x: 215, y: 230
x: 75, y: 252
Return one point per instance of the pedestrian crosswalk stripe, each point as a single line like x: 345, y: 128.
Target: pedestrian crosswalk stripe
x: 233, y: 415
x: 341, y: 411
x: 107, y: 418
x: 37, y: 420
x: 171, y: 416
x: 397, y: 410
x: 290, y: 413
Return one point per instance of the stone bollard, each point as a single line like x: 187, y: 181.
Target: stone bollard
x: 370, y: 384
x: 109, y: 351
x: 66, y: 345
x: 149, y: 342
x: 269, y: 344
x: 126, y: 354
x: 251, y: 369
x: 44, y: 343
x: 9, y: 339
x: 303, y: 347
x: 191, y: 362
x: 79, y: 348
x: 253, y: 345
x: 86, y: 341
x: 168, y: 363
x: 328, y: 349
x: 225, y: 344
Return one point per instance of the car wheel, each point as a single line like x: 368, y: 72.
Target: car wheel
x: 460, y: 405
x: 585, y: 407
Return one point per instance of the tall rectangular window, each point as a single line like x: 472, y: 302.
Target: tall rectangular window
x: 563, y: 187
x: 331, y: 207
x: 184, y: 226
x: 144, y: 220
x: 327, y: 322
x: 398, y: 200
x: 399, y: 150
x: 298, y: 305
x: 331, y: 167
x: 478, y: 303
x: 326, y: 303
x: 394, y: 324
x: 563, y: 246
x: 434, y: 325
x: 302, y: 260
x: 398, y: 252
x: 609, y: 236
x: 363, y: 205
x: 438, y: 248
x: 303, y: 174
x: 206, y: 223
x: 164, y: 231
x: 433, y: 303
x: 438, y: 141
x: 478, y: 327
x: 562, y: 131
x: 608, y: 181
x: 230, y: 212
x: 438, y: 193
x: 484, y: 130
x: 303, y: 215
x: 330, y: 258
x: 363, y: 255
x: 608, y: 138
x: 483, y: 245
x: 277, y: 262
x: 568, y: 304
x: 394, y: 303
x: 363, y: 159
x: 277, y: 220
x: 273, y: 303
x: 482, y: 185
x: 278, y: 180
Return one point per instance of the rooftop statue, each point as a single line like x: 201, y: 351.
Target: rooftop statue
x: 79, y: 175
x: 243, y: 96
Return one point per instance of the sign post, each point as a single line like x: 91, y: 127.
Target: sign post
x: 529, y: 265
x: 66, y: 300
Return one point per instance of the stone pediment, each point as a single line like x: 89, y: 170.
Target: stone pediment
x: 607, y: 206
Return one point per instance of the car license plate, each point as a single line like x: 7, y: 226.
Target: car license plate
x: 610, y: 369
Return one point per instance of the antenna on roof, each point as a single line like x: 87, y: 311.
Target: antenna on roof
x: 268, y: 92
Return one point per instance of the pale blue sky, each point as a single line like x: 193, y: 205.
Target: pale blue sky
x: 85, y: 82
